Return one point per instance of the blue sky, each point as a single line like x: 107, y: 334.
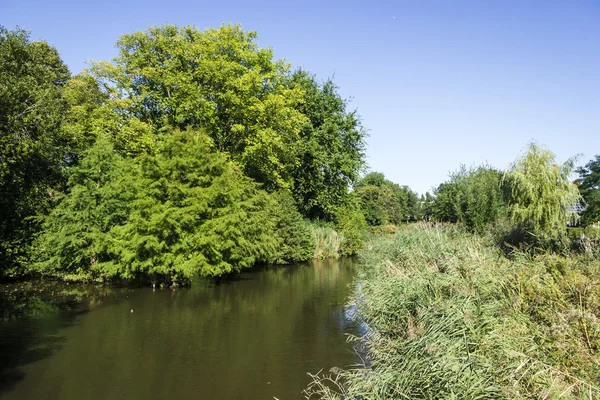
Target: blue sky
x: 437, y: 83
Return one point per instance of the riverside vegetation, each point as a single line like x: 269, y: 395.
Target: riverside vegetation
x: 503, y: 303
x: 196, y: 153
x: 191, y: 153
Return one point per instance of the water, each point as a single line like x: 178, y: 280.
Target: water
x: 255, y: 337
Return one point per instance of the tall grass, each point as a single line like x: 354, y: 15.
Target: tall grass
x: 450, y: 316
x: 327, y: 241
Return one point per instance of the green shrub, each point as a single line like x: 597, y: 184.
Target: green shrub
x: 294, y: 241
x: 473, y: 197
x: 352, y: 226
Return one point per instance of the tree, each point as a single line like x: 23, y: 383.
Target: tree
x: 331, y: 150
x: 540, y: 194
x: 181, y: 211
x: 385, y: 202
x: 74, y: 240
x: 473, y: 197
x: 32, y: 149
x: 589, y: 186
x: 218, y: 80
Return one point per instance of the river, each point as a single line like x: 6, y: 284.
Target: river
x: 252, y: 337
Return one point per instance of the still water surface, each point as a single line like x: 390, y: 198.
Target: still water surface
x: 254, y: 337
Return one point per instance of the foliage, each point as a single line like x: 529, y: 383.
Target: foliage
x: 182, y: 211
x: 385, y: 202
x: 449, y: 316
x: 74, y: 238
x: 330, y: 153
x: 352, y: 226
x: 540, y: 194
x: 294, y: 239
x: 216, y: 79
x: 32, y: 149
x: 473, y: 197
x: 589, y: 186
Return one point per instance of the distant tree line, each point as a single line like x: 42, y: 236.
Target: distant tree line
x: 535, y: 197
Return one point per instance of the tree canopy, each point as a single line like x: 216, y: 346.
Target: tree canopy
x: 217, y: 79
x: 32, y: 147
x: 385, y: 202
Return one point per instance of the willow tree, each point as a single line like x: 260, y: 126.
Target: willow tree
x: 540, y: 194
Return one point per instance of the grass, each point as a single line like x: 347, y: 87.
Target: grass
x: 449, y: 315
x: 327, y: 241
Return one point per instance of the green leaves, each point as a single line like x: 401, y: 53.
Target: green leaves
x: 185, y: 210
x: 144, y: 199
x: 32, y: 78
x: 540, y: 194
x: 473, y: 197
x: 384, y: 202
x: 329, y: 156
x: 216, y: 79
x: 589, y: 185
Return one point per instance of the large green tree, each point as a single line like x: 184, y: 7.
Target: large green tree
x: 32, y: 147
x: 329, y: 156
x: 541, y: 195
x: 217, y: 79
x: 589, y: 186
x: 183, y: 210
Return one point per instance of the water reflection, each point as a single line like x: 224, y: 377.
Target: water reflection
x: 255, y: 336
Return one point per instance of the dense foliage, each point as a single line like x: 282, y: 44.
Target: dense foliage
x: 330, y: 152
x: 473, y: 197
x: 182, y: 211
x: 32, y: 149
x: 261, y: 148
x: 540, y: 194
x: 589, y: 186
x: 385, y: 202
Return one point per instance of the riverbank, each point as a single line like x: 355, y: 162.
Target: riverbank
x: 451, y: 315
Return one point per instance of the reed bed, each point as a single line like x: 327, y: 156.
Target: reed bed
x: 449, y: 315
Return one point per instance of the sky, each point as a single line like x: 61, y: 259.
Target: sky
x: 436, y: 83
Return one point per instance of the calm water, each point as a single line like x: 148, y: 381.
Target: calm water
x: 255, y: 337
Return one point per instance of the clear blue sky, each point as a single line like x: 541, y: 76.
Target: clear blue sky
x: 437, y: 83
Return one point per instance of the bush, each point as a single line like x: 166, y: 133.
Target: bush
x: 294, y: 241
x: 352, y: 226
x: 473, y: 197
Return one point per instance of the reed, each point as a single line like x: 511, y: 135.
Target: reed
x: 450, y: 315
